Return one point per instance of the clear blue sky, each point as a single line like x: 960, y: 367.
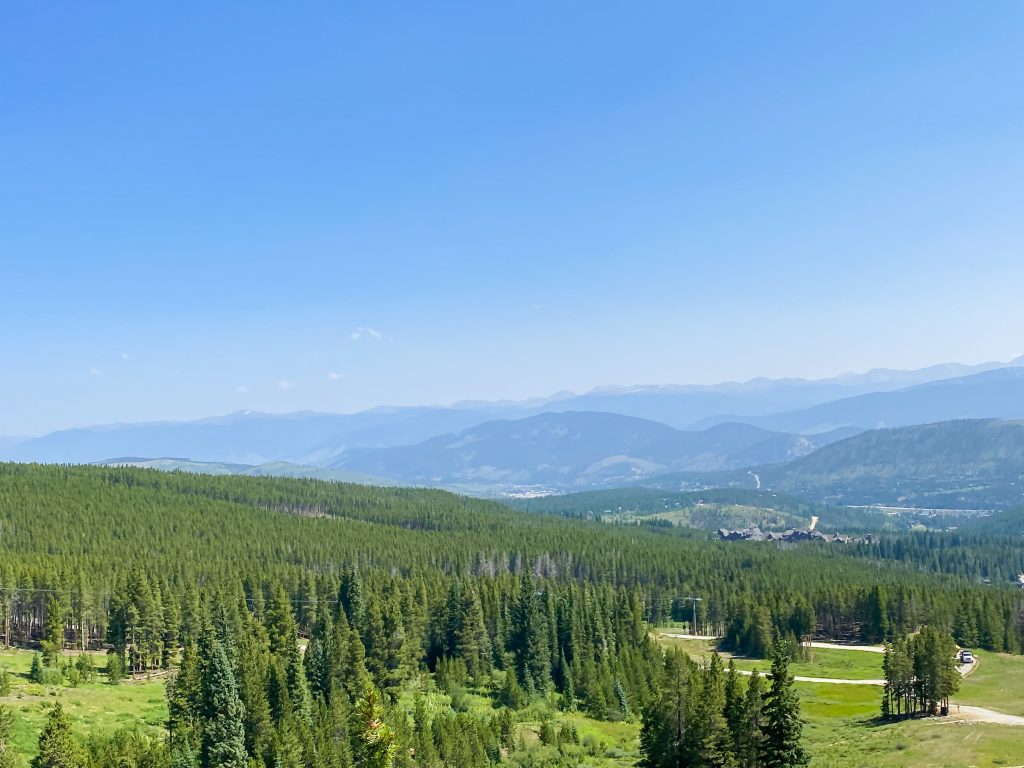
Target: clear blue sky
x: 279, y: 206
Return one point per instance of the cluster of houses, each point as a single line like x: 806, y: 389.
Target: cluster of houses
x: 756, y: 534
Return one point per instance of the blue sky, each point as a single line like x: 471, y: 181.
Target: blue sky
x: 333, y: 206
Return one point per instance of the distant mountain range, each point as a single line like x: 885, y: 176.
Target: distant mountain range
x: 698, y: 407
x: 993, y: 394
x: 576, y: 449
x: 777, y: 430
x: 779, y: 405
x: 248, y: 437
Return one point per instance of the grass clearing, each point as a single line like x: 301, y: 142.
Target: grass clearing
x: 94, y: 708
x: 842, y: 730
x: 998, y: 683
x: 821, y: 662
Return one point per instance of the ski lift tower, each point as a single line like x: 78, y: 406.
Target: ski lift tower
x: 694, y: 600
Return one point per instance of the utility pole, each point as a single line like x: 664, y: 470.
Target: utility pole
x: 694, y: 600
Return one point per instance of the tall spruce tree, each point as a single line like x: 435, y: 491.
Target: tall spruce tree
x: 783, y: 728
x: 223, y: 744
x: 751, y: 737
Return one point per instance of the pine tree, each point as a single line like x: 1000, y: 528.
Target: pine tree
x: 53, y: 631
x: 782, y: 725
x: 350, y: 597
x: 751, y: 737
x: 223, y: 743
x: 734, y: 707
x: 471, y: 640
x: 376, y: 744
x: 57, y: 745
x: 664, y: 731
x: 8, y: 759
x: 35, y: 672
x: 184, y: 704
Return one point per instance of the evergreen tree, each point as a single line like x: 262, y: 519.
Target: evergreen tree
x: 750, y: 736
x: 376, y: 744
x: 8, y: 759
x: 35, y: 672
x: 53, y: 631
x: 57, y: 745
x: 734, y: 708
x: 184, y: 705
x: 783, y: 728
x: 223, y: 743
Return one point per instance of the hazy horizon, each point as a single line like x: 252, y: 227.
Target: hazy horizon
x: 540, y: 397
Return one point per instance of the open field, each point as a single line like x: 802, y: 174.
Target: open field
x: 822, y: 662
x: 842, y: 730
x: 94, y: 708
x: 997, y: 684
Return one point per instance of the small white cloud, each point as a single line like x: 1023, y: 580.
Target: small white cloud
x: 536, y: 306
x: 335, y: 376
x: 363, y: 332
x: 284, y: 385
x: 94, y: 371
x: 125, y: 356
x: 242, y: 389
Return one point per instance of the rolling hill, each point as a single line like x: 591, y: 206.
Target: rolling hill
x: 969, y: 464
x: 574, y: 449
x: 271, y: 469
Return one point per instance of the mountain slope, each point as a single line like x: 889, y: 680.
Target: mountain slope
x: 967, y: 464
x: 248, y: 437
x: 321, y: 438
x: 573, y: 449
x: 703, y: 406
x: 997, y: 394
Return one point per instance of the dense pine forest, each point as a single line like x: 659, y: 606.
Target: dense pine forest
x: 308, y: 623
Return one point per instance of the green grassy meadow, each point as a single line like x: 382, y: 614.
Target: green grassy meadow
x: 94, y: 708
x: 841, y: 726
x: 842, y: 729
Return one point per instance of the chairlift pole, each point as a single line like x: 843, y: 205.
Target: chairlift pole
x: 694, y: 600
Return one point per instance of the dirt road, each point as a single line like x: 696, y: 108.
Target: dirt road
x: 982, y: 715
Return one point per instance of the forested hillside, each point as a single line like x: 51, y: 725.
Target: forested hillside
x: 967, y: 464
x: 577, y: 449
x: 394, y: 588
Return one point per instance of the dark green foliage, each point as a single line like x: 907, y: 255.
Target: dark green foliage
x: 58, y: 748
x: 7, y: 757
x: 116, y: 671
x: 223, y: 742
x: 393, y: 585
x: 920, y: 673
x: 782, y: 727
x: 35, y: 672
x: 376, y: 741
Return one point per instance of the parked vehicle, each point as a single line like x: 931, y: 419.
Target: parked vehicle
x: 966, y: 657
